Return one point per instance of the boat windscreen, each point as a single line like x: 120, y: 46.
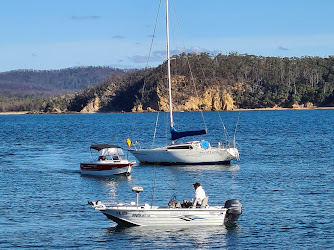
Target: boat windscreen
x: 111, y: 151
x: 103, y: 146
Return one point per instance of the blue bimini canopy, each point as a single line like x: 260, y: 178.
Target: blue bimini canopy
x: 177, y: 135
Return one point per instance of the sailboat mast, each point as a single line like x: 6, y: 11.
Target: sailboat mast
x: 168, y: 69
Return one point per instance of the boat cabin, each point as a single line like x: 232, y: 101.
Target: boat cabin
x: 191, y: 145
x: 108, y: 152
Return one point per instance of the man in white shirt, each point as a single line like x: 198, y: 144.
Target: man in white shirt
x: 199, y: 196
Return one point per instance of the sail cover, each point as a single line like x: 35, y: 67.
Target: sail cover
x: 177, y: 135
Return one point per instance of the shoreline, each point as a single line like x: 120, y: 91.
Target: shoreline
x: 258, y: 109
x: 14, y: 113
x: 269, y: 109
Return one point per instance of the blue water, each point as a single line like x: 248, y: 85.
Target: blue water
x: 285, y: 181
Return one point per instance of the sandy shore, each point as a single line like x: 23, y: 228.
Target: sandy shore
x: 263, y: 109
x: 14, y: 113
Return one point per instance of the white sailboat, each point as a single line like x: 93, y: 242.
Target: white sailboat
x: 193, y: 152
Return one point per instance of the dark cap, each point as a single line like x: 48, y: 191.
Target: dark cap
x: 196, y: 184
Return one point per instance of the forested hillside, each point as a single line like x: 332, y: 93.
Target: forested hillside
x: 221, y: 82
x: 215, y: 82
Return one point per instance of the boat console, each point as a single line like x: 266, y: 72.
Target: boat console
x: 137, y: 190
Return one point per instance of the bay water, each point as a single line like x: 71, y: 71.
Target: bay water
x: 284, y: 180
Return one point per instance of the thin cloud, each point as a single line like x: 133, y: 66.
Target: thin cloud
x: 156, y: 56
x: 138, y: 59
x: 118, y: 37
x: 85, y: 17
x: 282, y: 48
x: 160, y: 55
x: 201, y: 50
x: 150, y: 36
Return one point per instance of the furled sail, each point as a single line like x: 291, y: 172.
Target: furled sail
x: 177, y: 135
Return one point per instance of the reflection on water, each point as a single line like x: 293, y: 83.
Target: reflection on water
x: 196, y: 168
x: 109, y: 178
x: 109, y: 184
x: 112, y: 186
x: 164, y: 237
x: 211, y: 168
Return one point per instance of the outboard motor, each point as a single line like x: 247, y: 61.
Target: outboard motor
x: 234, y: 211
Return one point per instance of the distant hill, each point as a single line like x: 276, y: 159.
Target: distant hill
x: 46, y: 83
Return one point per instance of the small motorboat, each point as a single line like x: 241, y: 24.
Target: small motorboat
x: 107, y: 160
x: 134, y: 214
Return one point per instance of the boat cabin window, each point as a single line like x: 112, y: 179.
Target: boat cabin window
x: 180, y: 147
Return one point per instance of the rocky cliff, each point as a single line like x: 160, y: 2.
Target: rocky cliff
x: 92, y: 107
x: 211, y: 99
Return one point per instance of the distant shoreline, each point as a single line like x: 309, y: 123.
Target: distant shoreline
x: 258, y: 109
x: 264, y: 109
x: 14, y: 113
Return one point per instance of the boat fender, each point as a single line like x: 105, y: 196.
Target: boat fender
x: 205, y: 144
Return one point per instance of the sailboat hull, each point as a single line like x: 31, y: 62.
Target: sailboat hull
x: 185, y: 154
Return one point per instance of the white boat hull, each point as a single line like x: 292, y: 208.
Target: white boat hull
x: 195, y: 155
x: 158, y: 216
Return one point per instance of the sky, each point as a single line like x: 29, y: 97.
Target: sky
x: 57, y: 34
